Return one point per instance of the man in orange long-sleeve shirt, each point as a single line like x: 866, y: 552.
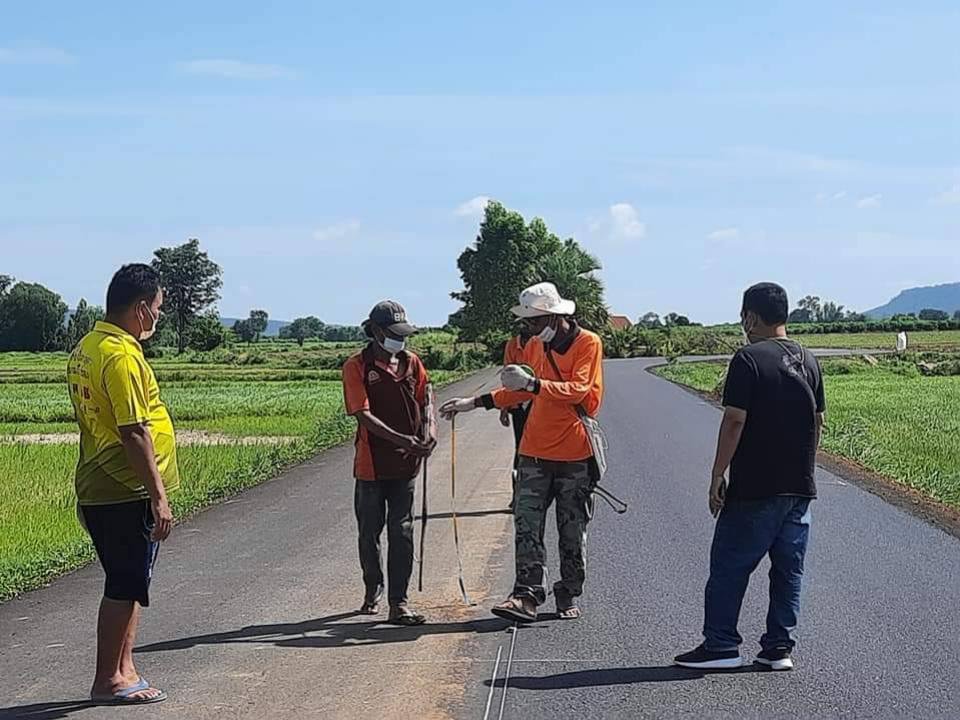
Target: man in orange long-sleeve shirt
x: 515, y: 353
x: 556, y: 459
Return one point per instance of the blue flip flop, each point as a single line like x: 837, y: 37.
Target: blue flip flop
x: 122, y: 696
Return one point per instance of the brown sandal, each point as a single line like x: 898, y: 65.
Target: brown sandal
x: 405, y: 617
x: 513, y: 609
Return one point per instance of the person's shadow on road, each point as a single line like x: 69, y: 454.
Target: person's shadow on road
x: 45, y: 711
x: 328, y: 632
x: 603, y: 677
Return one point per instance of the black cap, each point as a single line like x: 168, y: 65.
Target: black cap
x: 390, y: 315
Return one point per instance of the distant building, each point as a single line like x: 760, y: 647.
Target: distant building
x: 620, y: 322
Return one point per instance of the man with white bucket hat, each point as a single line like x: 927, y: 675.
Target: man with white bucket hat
x: 563, y: 382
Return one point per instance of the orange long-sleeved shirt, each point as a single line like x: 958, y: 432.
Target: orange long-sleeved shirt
x: 514, y: 353
x: 553, y: 430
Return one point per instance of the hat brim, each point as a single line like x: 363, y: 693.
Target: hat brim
x: 565, y: 307
x: 402, y: 329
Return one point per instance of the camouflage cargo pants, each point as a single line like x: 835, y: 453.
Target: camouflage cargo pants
x: 539, y: 483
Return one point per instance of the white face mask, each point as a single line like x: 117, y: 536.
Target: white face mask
x: 746, y: 333
x: 147, y: 334
x: 547, y: 334
x: 393, y: 346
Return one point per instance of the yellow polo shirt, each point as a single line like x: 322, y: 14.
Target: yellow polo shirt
x: 111, y: 386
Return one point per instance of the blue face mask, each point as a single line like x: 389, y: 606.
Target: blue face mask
x: 392, y: 345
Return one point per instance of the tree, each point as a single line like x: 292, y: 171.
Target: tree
x: 81, y: 322
x: 31, y: 318
x: 302, y: 329
x: 811, y: 305
x: 207, y: 332
x: 258, y: 322
x: 931, y: 314
x: 509, y: 255
x: 244, y: 330
x: 675, y: 320
x: 191, y: 284
x: 831, y: 312
x: 956, y: 316
x: 5, y: 282
x: 801, y: 315
x: 650, y: 320
x: 571, y: 270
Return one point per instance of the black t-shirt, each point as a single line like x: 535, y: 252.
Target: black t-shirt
x: 779, y: 384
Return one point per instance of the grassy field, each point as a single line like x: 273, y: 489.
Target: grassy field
x: 275, y: 399
x: 889, y: 418
x: 925, y: 340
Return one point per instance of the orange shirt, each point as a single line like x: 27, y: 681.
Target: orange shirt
x: 553, y: 430
x: 355, y: 400
x: 514, y: 353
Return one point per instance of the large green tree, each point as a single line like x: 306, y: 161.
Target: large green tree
x: 509, y: 255
x: 191, y: 284
x: 258, y: 323
x: 81, y: 322
x: 207, y: 332
x: 31, y: 318
x: 303, y: 328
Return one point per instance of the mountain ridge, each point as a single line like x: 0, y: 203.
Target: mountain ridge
x: 944, y: 297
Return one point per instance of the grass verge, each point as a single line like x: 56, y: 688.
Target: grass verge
x: 903, y: 426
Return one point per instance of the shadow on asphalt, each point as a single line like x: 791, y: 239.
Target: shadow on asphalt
x: 328, y: 632
x: 471, y: 514
x: 602, y: 677
x: 46, y: 711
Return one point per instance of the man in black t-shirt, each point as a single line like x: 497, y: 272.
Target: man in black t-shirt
x: 773, y: 415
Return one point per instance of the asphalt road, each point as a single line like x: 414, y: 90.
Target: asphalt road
x: 880, y: 627
x: 254, y: 599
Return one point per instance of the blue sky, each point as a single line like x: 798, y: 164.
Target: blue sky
x: 327, y: 157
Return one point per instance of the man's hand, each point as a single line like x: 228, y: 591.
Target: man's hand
x: 718, y: 491
x: 516, y: 377
x: 456, y: 406
x: 413, y: 445
x: 505, y: 418
x: 162, y: 517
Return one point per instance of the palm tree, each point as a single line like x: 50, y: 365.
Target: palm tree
x: 572, y: 270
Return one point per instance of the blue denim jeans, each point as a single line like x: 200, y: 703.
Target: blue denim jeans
x: 746, y: 531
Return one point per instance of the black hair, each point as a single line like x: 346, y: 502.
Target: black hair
x: 769, y: 301
x: 131, y: 284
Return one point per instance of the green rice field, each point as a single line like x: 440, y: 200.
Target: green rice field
x: 265, y: 418
x: 889, y: 418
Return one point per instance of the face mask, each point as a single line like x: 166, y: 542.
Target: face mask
x: 144, y: 333
x: 393, y: 346
x: 547, y: 334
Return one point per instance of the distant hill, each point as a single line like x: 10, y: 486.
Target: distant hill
x: 936, y: 297
x: 273, y: 326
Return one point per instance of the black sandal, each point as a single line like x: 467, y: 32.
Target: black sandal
x: 405, y: 617
x: 371, y: 603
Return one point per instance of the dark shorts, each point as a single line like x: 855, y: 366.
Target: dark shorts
x: 121, y: 537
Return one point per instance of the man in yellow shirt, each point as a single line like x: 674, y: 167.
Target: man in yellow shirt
x: 127, y: 467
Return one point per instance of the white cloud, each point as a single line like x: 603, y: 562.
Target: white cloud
x: 473, y: 207
x: 948, y: 197
x: 337, y: 231
x: 839, y: 195
x: 35, y: 56
x: 234, y: 69
x: 869, y: 201
x: 731, y: 233
x: 626, y: 223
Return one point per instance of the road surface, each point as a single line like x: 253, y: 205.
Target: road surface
x: 252, y: 612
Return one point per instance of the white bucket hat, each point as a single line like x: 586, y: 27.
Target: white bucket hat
x: 543, y: 299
